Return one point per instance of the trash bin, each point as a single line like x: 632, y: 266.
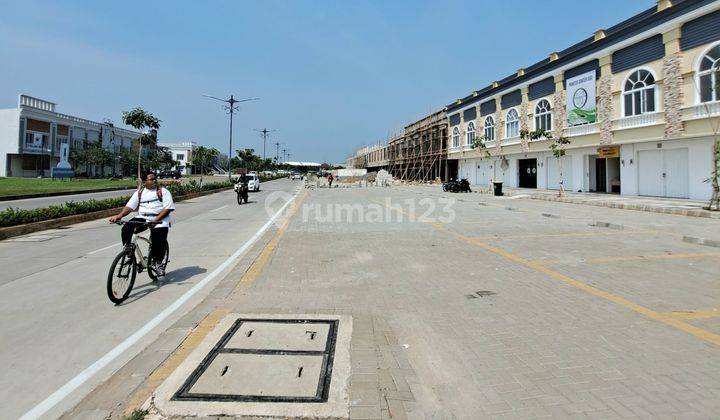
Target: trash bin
x: 497, y: 188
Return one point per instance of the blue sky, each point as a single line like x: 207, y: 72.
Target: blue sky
x: 332, y: 75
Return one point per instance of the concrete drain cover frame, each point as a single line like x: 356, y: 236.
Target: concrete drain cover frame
x: 185, y: 393
x: 321, y: 392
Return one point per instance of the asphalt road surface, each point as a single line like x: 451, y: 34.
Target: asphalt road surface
x: 58, y: 321
x: 32, y: 203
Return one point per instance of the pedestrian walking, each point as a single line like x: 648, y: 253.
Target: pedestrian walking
x: 330, y: 180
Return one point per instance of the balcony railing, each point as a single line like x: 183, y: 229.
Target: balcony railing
x: 637, y: 121
x: 705, y: 110
x: 511, y: 140
x: 581, y: 130
x: 36, y: 149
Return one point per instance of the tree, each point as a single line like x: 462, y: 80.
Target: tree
x: 202, y: 158
x: 714, y: 179
x: 142, y: 121
x: 92, y: 155
x: 160, y: 159
x: 557, y: 146
x: 249, y: 160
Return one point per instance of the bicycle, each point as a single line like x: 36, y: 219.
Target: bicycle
x: 129, y: 262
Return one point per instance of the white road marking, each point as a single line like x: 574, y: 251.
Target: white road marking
x: 91, y: 370
x: 103, y: 249
x: 219, y: 208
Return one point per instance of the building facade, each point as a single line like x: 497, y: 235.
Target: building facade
x: 639, y: 103
x: 181, y: 152
x: 418, y: 154
x: 32, y: 134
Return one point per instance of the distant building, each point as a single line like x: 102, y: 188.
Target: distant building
x: 32, y: 133
x: 182, y: 152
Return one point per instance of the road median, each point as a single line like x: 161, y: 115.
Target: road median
x: 86, y: 216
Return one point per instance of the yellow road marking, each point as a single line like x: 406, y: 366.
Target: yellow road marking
x: 569, y: 234
x: 653, y: 257
x: 261, y: 261
x: 703, y: 314
x: 600, y: 260
x: 158, y: 376
x: 661, y: 317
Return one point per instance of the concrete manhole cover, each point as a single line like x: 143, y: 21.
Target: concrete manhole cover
x: 264, y: 365
x: 271, y: 360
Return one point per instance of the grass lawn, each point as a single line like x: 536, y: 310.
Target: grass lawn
x: 19, y: 186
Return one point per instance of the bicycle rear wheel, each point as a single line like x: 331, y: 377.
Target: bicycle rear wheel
x: 121, y: 277
x: 151, y: 268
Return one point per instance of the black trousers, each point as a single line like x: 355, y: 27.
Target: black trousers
x: 158, y: 236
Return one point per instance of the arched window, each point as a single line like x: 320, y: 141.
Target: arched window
x: 456, y: 137
x: 543, y: 115
x: 470, y: 135
x: 639, y: 93
x: 512, y: 124
x: 489, y: 128
x: 709, y: 75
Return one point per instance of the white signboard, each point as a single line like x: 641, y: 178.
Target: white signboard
x: 581, y: 108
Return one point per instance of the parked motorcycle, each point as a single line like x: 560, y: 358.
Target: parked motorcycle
x: 457, y: 186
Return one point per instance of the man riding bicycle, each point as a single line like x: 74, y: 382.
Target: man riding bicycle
x: 153, y: 205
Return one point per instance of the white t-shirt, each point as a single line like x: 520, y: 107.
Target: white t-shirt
x: 150, y: 205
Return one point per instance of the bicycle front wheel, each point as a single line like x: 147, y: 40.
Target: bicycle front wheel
x: 121, y: 277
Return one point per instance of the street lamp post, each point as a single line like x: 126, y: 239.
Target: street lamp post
x: 232, y: 108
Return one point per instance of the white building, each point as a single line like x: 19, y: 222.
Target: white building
x: 32, y: 133
x: 182, y: 152
x: 637, y: 100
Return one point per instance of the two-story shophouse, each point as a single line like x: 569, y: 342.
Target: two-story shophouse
x: 32, y: 134
x: 639, y: 102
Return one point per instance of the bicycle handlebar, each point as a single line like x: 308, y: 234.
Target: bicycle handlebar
x: 135, y: 222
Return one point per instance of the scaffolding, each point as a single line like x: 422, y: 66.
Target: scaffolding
x: 420, y: 154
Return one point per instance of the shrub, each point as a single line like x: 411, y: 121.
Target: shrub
x: 13, y: 217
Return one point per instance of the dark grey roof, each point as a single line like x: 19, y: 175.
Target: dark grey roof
x: 641, y: 22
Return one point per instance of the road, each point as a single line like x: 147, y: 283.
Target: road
x: 32, y: 203
x: 57, y: 320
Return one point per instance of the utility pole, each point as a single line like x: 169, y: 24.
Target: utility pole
x: 277, y: 152
x: 231, y: 108
x: 265, y: 132
x: 284, y: 157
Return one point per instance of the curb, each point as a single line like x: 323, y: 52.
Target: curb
x: 11, y: 231
x: 630, y: 206
x: 55, y: 194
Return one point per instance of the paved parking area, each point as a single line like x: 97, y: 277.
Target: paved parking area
x: 578, y: 320
x: 499, y: 307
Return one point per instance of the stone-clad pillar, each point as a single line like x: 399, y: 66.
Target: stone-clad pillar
x: 559, y: 113
x: 672, y: 85
x: 605, y: 100
x: 524, y: 103
x: 499, y: 128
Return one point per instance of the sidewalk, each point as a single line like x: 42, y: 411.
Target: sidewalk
x: 681, y: 207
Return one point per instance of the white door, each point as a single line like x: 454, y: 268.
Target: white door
x: 663, y: 173
x: 676, y: 173
x: 650, y: 170
x: 553, y: 173
x: 484, y: 173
